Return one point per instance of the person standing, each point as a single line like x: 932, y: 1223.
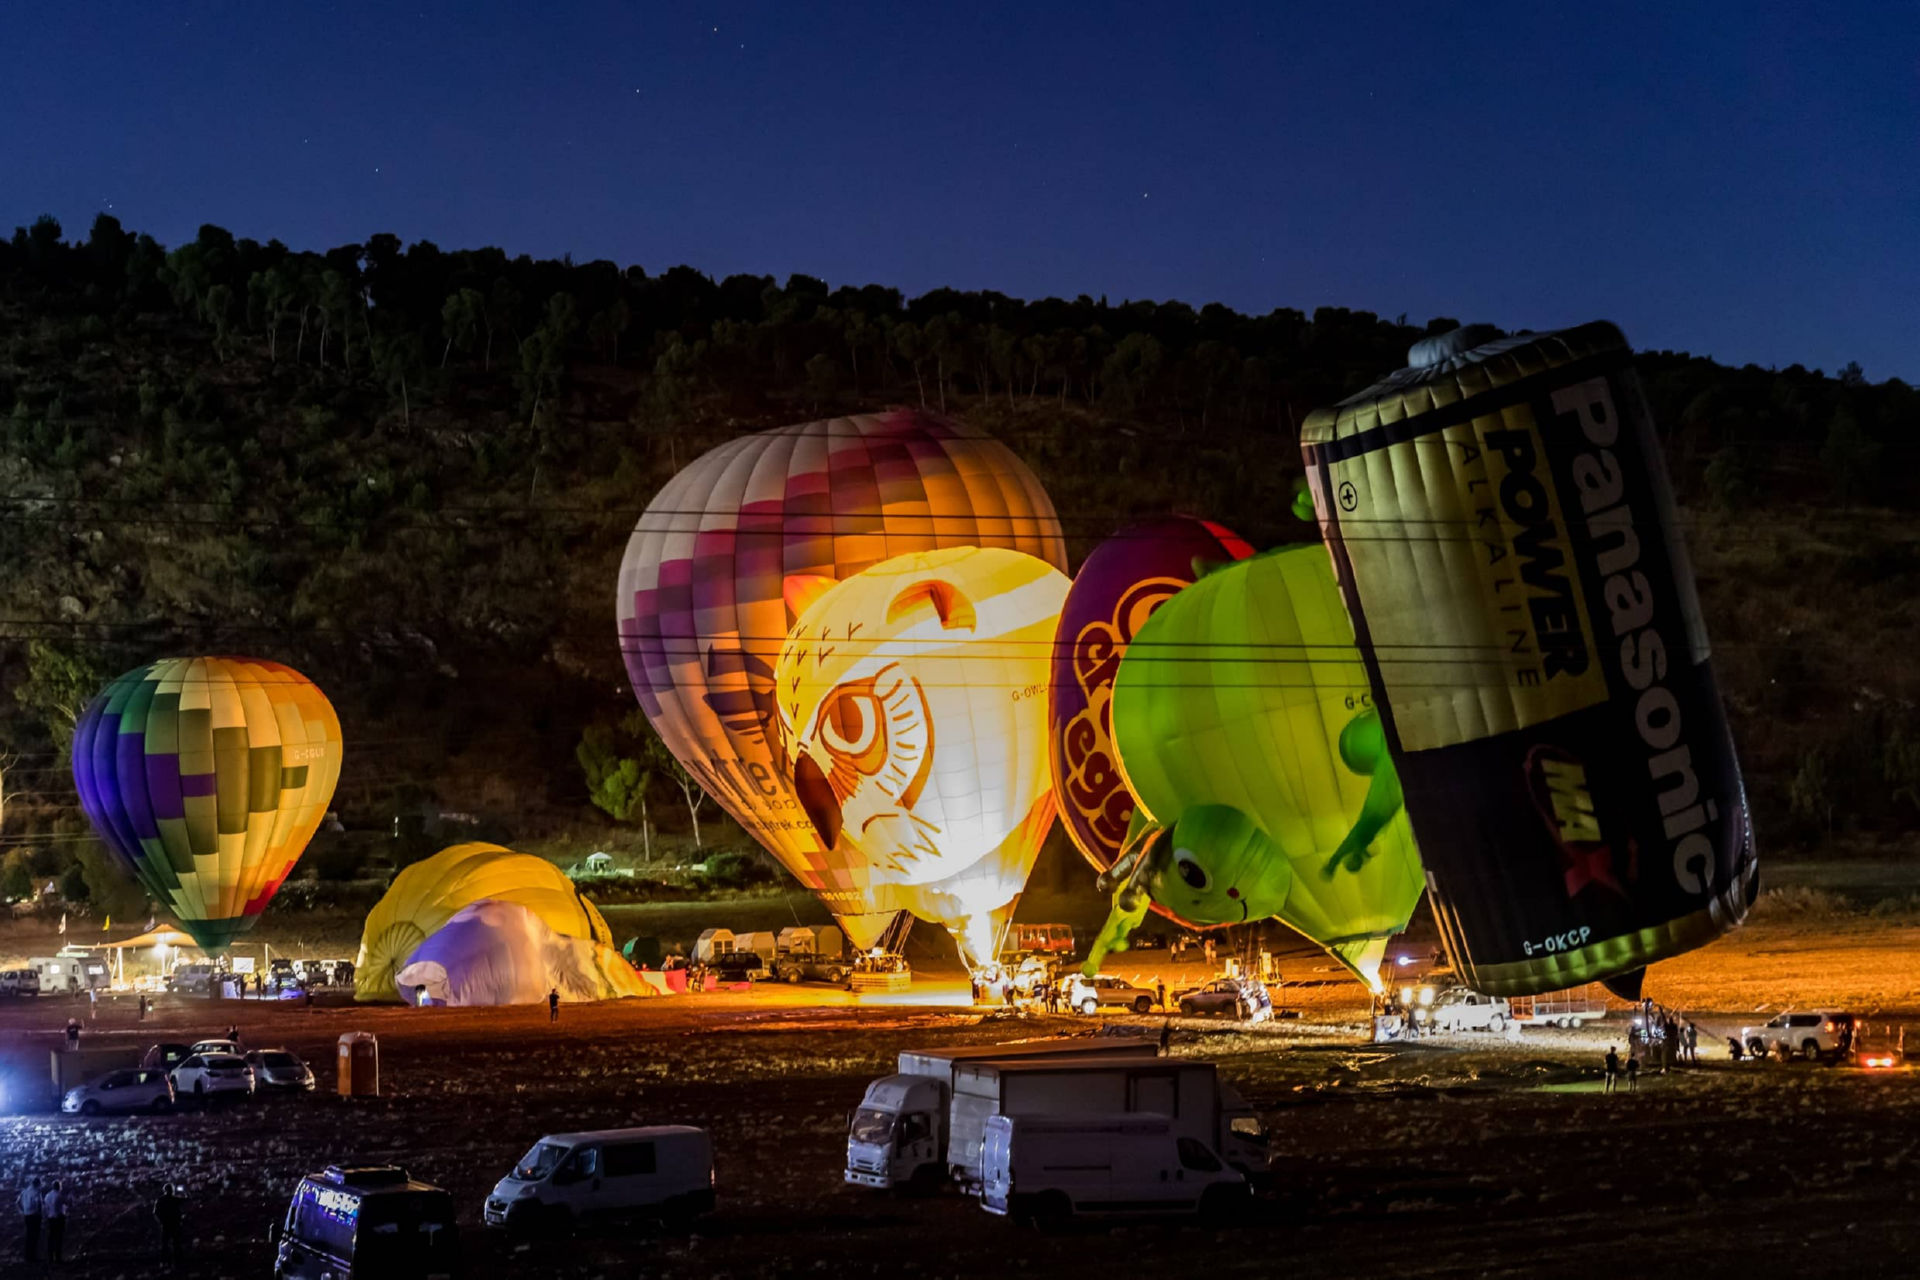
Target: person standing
x: 1166, y: 1037
x: 1693, y: 1043
x: 167, y: 1212
x: 53, y: 1207
x: 30, y: 1219
x: 73, y: 1034
x: 1160, y: 993
x: 1633, y: 1072
x: 553, y: 1005
x: 1613, y: 1069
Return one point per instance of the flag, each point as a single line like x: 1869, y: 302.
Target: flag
x: 63, y: 922
x: 106, y: 924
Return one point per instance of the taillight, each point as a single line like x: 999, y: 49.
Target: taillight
x: 1828, y: 1026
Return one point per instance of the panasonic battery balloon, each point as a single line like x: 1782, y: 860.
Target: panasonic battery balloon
x: 1503, y: 531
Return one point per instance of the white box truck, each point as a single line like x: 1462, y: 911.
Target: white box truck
x: 898, y: 1135
x: 1189, y: 1094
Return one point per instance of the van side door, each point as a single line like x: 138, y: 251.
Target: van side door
x: 579, y: 1181
x: 633, y: 1180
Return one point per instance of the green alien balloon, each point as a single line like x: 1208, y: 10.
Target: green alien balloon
x: 1246, y: 731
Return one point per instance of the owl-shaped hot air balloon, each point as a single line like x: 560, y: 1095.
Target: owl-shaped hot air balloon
x: 913, y: 721
x: 703, y: 612
x: 207, y: 777
x: 1117, y: 589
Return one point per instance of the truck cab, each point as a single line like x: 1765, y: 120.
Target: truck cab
x: 897, y: 1136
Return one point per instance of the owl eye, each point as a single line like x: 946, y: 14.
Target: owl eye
x: 1189, y: 869
x: 850, y: 727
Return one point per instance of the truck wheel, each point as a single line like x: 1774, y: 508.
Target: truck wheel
x: 1089, y: 1007
x: 1187, y: 1010
x: 793, y: 977
x: 90, y: 1108
x: 1143, y: 1004
x: 1051, y: 1211
x: 1496, y: 1023
x: 1219, y: 1202
x: 1757, y: 1049
x: 1811, y: 1050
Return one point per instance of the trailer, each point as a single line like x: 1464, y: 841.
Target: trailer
x: 1569, y: 1008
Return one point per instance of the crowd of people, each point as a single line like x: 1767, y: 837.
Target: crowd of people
x: 45, y: 1206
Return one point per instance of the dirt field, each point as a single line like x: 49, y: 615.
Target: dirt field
x: 1472, y: 1156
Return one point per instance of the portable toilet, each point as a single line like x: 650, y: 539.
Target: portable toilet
x: 358, y: 1065
x: 711, y: 943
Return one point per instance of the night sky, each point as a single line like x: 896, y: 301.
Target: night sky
x: 1740, y: 180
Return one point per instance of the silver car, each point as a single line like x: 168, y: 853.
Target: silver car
x: 1244, y: 998
x: 118, y: 1092
x: 278, y: 1069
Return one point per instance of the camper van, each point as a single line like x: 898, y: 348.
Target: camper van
x: 663, y: 1171
x: 1049, y: 1168
x: 371, y: 1222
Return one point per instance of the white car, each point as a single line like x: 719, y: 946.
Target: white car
x: 216, y: 1046
x: 204, y: 1075
x: 1811, y: 1035
x: 1463, y: 1010
x: 20, y: 982
x: 279, y: 1069
x: 1090, y: 995
x: 134, y: 1089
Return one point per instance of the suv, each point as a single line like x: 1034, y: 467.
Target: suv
x: 1089, y: 995
x: 279, y: 1069
x: 737, y: 966
x: 205, y: 1075
x: 1464, y: 1010
x: 805, y: 966
x: 1811, y: 1035
x: 1244, y: 998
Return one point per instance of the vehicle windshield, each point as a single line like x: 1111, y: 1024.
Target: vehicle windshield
x: 539, y: 1162
x: 871, y: 1126
x: 279, y: 1060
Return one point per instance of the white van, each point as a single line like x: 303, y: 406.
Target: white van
x: 20, y: 982
x: 1049, y: 1168
x: 663, y: 1171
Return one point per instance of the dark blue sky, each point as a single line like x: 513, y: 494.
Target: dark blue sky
x: 1741, y: 180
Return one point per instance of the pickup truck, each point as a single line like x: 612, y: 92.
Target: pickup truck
x: 1463, y: 1010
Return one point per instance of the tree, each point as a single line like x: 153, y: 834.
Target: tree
x: 607, y: 327
x: 16, y: 876
x: 57, y: 689
x: 619, y: 767
x: 460, y: 319
x: 690, y: 788
x: 395, y: 357
x: 1850, y: 456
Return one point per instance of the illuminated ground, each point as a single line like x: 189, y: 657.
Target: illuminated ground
x: 1473, y: 1157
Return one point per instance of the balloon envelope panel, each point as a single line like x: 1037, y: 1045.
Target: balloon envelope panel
x: 207, y: 777
x: 1510, y: 557
x: 1242, y: 716
x: 1117, y: 589
x: 424, y: 896
x: 912, y: 719
x: 701, y: 602
x: 495, y: 953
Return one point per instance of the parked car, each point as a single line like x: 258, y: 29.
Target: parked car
x: 372, y: 1222
x: 1462, y: 1010
x: 738, y: 966
x: 193, y: 978
x: 1052, y: 1167
x: 804, y: 966
x: 166, y: 1056
x: 216, y: 1046
x: 206, y: 1075
x: 20, y: 982
x: 277, y: 1069
x: 1810, y: 1035
x: 132, y: 1089
x: 1102, y: 991
x: 662, y: 1171
x: 1244, y: 998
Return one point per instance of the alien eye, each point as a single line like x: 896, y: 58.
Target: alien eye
x: 1189, y: 869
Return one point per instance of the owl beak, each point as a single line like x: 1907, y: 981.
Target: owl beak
x: 817, y: 798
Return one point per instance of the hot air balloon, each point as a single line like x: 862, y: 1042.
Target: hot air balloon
x: 426, y: 895
x: 1248, y: 735
x: 207, y: 777
x: 494, y: 953
x: 703, y: 613
x: 912, y: 715
x: 1504, y: 532
x: 1118, y: 587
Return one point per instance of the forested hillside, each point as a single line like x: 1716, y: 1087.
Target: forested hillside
x: 410, y: 472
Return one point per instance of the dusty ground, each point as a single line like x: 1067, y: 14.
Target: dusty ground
x: 1476, y: 1156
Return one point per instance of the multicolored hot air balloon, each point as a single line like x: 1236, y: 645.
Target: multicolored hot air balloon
x: 913, y: 722
x: 1505, y: 536
x: 1247, y: 733
x: 703, y: 614
x: 207, y: 777
x: 1118, y: 587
